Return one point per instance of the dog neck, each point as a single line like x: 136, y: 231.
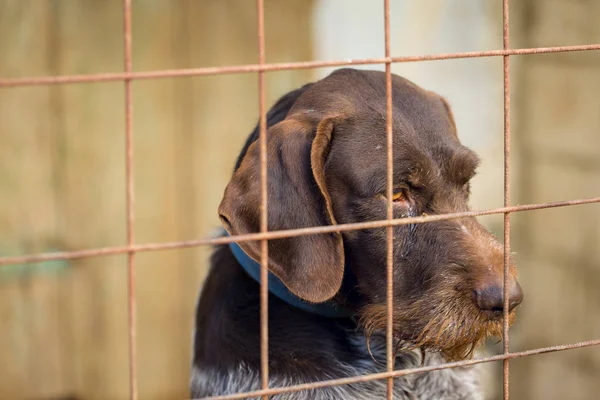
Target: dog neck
x: 327, y: 309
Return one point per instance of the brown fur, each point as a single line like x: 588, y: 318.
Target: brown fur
x: 326, y: 154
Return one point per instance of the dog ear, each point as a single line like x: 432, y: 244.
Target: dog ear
x: 310, y: 266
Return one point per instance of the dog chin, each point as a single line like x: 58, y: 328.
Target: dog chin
x: 455, y: 337
x: 461, y: 342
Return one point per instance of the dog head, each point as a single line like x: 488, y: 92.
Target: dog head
x: 327, y: 165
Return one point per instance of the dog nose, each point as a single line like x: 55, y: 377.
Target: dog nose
x: 490, y: 297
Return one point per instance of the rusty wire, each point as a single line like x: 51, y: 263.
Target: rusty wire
x: 264, y: 235
x: 264, y: 244
x: 389, y: 335
x: 130, y: 204
x: 248, y: 68
x: 506, y: 301
x: 404, y: 372
x: 115, y: 250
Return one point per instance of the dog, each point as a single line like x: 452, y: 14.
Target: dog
x: 326, y: 154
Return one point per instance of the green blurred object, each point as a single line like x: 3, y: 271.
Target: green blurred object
x: 16, y: 271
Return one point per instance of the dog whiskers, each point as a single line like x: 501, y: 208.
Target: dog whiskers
x: 454, y: 332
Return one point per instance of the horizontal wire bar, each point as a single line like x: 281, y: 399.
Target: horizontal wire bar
x: 107, y: 251
x: 187, y: 72
x: 395, y: 374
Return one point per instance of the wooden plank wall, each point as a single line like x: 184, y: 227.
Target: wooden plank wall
x: 64, y: 324
x: 556, y: 143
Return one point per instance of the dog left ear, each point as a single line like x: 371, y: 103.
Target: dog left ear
x: 312, y: 266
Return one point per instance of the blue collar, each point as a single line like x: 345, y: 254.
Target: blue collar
x: 276, y: 287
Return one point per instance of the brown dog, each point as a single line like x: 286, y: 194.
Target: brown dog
x: 326, y: 166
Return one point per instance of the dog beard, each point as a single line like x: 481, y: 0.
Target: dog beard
x: 450, y: 327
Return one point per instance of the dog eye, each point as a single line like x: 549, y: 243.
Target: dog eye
x: 399, y: 196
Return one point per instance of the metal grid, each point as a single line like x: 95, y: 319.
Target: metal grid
x: 264, y: 236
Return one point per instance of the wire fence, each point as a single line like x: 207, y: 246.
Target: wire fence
x: 131, y: 248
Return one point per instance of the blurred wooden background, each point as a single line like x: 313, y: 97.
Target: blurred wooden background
x: 556, y: 141
x: 64, y: 324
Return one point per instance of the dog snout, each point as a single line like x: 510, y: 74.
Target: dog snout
x: 489, y: 295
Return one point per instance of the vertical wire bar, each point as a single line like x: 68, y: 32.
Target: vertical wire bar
x: 390, y: 206
x: 130, y: 206
x: 506, y: 64
x: 264, y: 244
